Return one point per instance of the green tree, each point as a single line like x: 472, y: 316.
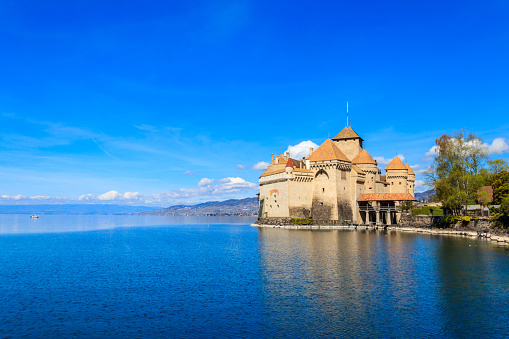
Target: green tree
x: 456, y: 170
x: 500, y: 187
x: 497, y: 166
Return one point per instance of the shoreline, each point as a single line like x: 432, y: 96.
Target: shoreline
x: 434, y: 231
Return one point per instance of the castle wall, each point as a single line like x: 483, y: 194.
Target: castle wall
x: 345, y: 201
x: 274, y: 197
x: 356, y: 189
x: 397, y: 180
x: 411, y: 184
x: 300, y: 198
x: 350, y: 147
x: 324, y: 201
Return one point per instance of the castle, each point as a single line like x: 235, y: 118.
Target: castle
x: 338, y: 182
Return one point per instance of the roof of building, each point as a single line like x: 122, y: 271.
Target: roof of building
x: 358, y: 170
x: 396, y: 164
x: 363, y: 158
x: 386, y: 197
x: 289, y: 163
x: 347, y: 133
x: 305, y: 170
x: 409, y: 169
x: 328, y: 151
x: 267, y: 173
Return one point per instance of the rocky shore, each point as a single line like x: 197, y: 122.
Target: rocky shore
x: 425, y: 225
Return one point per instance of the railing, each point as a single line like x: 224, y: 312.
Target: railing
x: 379, y: 209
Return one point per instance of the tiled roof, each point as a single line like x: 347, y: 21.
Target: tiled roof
x: 357, y: 169
x: 409, y: 169
x: 328, y: 151
x: 386, y: 197
x: 363, y: 158
x: 305, y: 170
x: 289, y: 163
x: 347, y: 133
x: 396, y: 164
x: 267, y: 173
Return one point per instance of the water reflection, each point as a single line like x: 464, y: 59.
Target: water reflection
x: 355, y: 283
x: 22, y: 223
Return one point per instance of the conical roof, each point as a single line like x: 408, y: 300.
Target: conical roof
x: 396, y: 164
x: 363, y: 158
x: 328, y: 151
x: 347, y: 133
x: 289, y: 163
x: 409, y: 169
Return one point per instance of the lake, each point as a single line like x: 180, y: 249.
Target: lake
x: 203, y: 277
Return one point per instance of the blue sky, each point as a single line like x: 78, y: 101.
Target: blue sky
x: 166, y: 102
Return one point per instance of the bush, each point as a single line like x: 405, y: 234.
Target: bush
x: 298, y: 221
x: 466, y: 220
x: 451, y: 219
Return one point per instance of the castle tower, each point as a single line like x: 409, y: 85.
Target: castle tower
x: 331, y: 184
x: 411, y: 181
x: 397, y: 176
x: 349, y: 142
x: 369, y: 166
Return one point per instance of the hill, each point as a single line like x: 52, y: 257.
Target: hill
x: 247, y: 206
x: 425, y: 195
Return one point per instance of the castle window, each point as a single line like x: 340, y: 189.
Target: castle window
x: 400, y: 182
x: 323, y: 189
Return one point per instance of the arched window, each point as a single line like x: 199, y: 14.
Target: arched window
x: 320, y: 173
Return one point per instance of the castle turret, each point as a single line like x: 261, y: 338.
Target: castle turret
x: 349, y: 142
x: 411, y: 180
x: 397, y: 176
x: 369, y: 166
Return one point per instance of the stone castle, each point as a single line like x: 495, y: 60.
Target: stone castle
x: 338, y: 182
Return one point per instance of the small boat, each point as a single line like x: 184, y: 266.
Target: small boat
x: 35, y: 216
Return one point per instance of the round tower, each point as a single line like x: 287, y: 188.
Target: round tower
x: 369, y: 166
x: 397, y: 176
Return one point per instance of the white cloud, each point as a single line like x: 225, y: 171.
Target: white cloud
x: 131, y: 195
x: 188, y: 172
x: 432, y: 151
x: 260, y: 165
x: 111, y: 195
x: 205, y: 182
x: 420, y: 185
x: 86, y: 197
x: 301, y: 149
x: 498, y: 146
x: 239, y: 166
x: 386, y: 161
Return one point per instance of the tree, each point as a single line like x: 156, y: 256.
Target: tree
x: 500, y: 187
x: 497, y: 166
x: 456, y: 170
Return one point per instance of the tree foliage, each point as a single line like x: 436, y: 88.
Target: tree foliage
x: 500, y: 186
x: 456, y: 172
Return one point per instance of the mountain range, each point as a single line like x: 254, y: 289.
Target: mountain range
x: 247, y: 206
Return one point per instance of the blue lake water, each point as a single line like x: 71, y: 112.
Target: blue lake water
x: 134, y: 276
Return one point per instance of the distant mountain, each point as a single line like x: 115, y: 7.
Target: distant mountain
x: 425, y: 195
x: 73, y: 209
x: 247, y: 206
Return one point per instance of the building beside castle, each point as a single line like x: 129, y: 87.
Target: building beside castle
x: 339, y: 181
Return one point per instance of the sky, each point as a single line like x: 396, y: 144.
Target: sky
x: 180, y: 102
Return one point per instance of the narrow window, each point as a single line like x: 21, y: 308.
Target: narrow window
x: 323, y: 189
